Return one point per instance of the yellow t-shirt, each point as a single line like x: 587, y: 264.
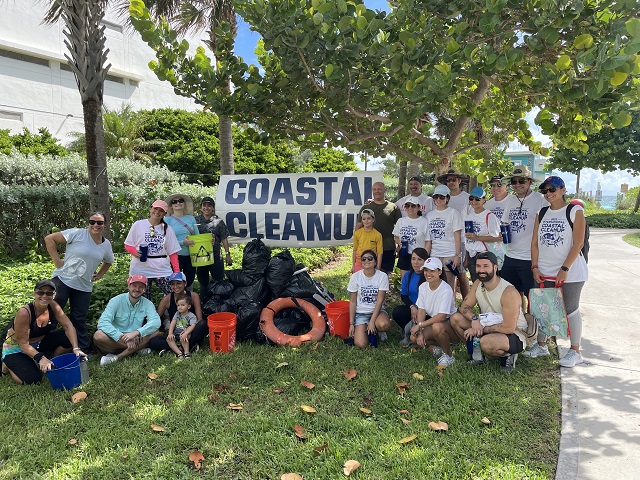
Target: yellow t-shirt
x: 363, y: 240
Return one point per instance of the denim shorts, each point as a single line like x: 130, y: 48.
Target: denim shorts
x: 365, y: 318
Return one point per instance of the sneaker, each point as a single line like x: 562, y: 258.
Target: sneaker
x: 108, y: 358
x: 571, y: 359
x: 446, y: 360
x: 195, y: 348
x: 436, y: 351
x: 382, y: 336
x: 162, y: 352
x: 508, y: 363
x: 537, y: 351
x: 187, y: 355
x: 144, y: 351
x: 179, y: 356
x: 406, y: 341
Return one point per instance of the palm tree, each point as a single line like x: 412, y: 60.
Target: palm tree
x: 198, y: 15
x: 85, y: 41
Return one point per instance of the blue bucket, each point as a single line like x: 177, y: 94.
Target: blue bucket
x: 66, y: 375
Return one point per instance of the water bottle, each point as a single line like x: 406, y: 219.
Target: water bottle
x: 477, y: 352
x: 373, y: 340
x: 455, y: 271
x: 404, y: 248
x: 468, y: 226
x: 84, y: 370
x: 144, y: 251
x: 505, y: 229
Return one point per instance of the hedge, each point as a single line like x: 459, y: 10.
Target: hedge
x: 614, y: 219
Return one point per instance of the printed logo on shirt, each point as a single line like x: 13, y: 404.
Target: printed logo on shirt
x: 408, y: 234
x: 156, y: 243
x: 497, y: 211
x: 369, y: 295
x: 437, y: 228
x: 552, y: 232
x: 518, y: 219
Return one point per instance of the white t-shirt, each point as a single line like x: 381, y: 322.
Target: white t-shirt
x: 162, y: 243
x: 520, y: 214
x: 367, y: 288
x: 496, y: 206
x: 484, y: 223
x: 440, y: 227
x: 426, y: 204
x: 411, y: 230
x: 555, y: 239
x: 460, y: 202
x: 440, y: 300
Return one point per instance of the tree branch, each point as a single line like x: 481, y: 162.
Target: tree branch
x: 311, y: 76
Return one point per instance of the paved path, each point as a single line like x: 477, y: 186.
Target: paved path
x: 601, y: 398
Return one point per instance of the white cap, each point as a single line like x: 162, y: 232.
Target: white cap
x: 432, y: 263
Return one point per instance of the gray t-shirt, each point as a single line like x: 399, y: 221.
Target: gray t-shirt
x: 81, y: 259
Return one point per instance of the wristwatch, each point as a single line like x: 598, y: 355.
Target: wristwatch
x: 475, y: 317
x: 564, y: 268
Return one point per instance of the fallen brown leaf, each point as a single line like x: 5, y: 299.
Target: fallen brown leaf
x: 417, y: 376
x: 438, y: 426
x: 307, y: 409
x: 366, y: 411
x: 278, y: 390
x: 290, y: 476
x: 350, y: 373
x: 73, y: 441
x: 78, y: 397
x: 350, y: 466
x: 309, y: 385
x: 486, y: 421
x: 405, y: 421
x: 214, y: 397
x: 318, y: 450
x: 300, y: 432
x: 221, y: 387
x: 404, y: 412
x: 283, y: 364
x: 152, y: 376
x: 404, y: 440
x: 157, y: 428
x: 234, y: 406
x: 196, y: 457
x: 402, y: 387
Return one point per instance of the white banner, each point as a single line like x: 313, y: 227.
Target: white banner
x: 294, y: 209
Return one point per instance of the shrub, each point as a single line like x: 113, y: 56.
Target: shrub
x: 41, y: 143
x: 614, y: 219
x: 628, y: 201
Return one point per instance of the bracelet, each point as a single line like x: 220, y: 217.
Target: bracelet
x: 37, y: 357
x: 76, y: 348
x: 533, y: 267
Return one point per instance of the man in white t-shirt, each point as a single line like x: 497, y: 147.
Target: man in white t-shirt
x: 499, y: 191
x: 520, y: 210
x: 415, y: 190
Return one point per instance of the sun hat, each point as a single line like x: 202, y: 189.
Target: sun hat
x: 432, y: 263
x: 442, y: 190
x: 553, y: 181
x: 478, y: 192
x: 160, y: 204
x: 368, y: 211
x: 188, y: 203
x: 522, y: 171
x: 177, y: 277
x: 138, y: 277
x: 450, y: 173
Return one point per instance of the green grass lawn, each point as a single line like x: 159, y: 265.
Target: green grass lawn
x: 189, y: 399
x: 632, y: 239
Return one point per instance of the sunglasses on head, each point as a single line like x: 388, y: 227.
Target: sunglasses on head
x: 177, y: 200
x: 474, y: 199
x: 439, y: 197
x: 99, y: 222
x: 367, y: 259
x: 47, y: 293
x: 152, y: 231
x: 515, y: 181
x: 549, y: 189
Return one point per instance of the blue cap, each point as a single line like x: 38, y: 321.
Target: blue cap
x: 178, y: 277
x: 554, y: 181
x: 478, y: 192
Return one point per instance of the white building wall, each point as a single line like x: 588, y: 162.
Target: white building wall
x: 37, y: 89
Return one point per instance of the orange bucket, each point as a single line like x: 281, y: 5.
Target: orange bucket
x: 338, y: 316
x: 222, y: 331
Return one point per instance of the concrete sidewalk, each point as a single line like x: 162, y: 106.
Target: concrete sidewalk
x: 601, y: 398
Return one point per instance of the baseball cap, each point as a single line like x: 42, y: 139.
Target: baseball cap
x: 442, y: 190
x: 368, y: 211
x: 44, y: 283
x: 208, y: 200
x: 160, y: 204
x: 415, y: 179
x: 487, y: 256
x: 413, y: 200
x: 432, y: 263
x: 478, y: 192
x: 138, y: 277
x: 178, y: 277
x: 553, y: 181
x: 497, y: 178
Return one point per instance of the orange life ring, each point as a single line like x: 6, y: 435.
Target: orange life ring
x: 269, y: 329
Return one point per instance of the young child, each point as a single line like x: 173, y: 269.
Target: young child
x: 366, y: 238
x: 181, y: 325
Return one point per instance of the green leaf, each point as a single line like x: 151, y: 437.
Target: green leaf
x: 344, y: 23
x: 318, y: 18
x: 583, y: 41
x: 526, y: 79
x: 621, y: 120
x: 563, y: 62
x: 452, y: 46
x: 618, y: 78
x: 328, y: 70
x: 549, y: 34
x: 342, y: 6
x: 361, y: 23
x: 361, y: 8
x: 633, y: 27
x: 443, y: 68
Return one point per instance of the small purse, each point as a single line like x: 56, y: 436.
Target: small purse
x: 548, y: 308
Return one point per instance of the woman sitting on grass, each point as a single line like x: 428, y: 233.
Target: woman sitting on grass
x: 436, y: 304
x: 368, y: 288
x: 407, y: 313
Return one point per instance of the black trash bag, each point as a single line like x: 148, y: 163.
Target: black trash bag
x: 222, y: 288
x: 247, y: 321
x: 300, y: 286
x: 216, y: 307
x: 257, y: 292
x: 279, y: 271
x: 255, y: 258
x: 238, y: 278
x: 290, y: 321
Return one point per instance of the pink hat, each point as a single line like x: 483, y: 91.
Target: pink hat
x: 161, y: 204
x: 138, y: 277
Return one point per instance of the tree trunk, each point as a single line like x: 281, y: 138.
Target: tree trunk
x: 96, y: 160
x: 226, y: 146
x: 578, y: 195
x: 635, y: 209
x: 402, y: 178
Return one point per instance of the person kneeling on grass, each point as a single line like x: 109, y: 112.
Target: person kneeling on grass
x: 127, y: 324
x: 493, y: 295
x: 181, y: 325
x: 368, y: 289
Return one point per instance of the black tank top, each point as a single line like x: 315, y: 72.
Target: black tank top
x: 34, y: 329
x: 173, y: 308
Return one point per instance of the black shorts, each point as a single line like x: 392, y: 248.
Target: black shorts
x: 388, y: 260
x: 515, y: 344
x: 404, y: 262
x: 518, y: 273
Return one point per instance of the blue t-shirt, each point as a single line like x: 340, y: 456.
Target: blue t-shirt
x: 410, y: 285
x: 181, y: 231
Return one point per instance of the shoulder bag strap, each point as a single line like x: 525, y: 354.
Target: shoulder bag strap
x: 183, y: 224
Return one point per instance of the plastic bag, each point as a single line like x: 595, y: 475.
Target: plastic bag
x: 290, y: 321
x: 257, y: 292
x: 255, y: 258
x: 238, y: 278
x: 247, y: 321
x: 279, y: 271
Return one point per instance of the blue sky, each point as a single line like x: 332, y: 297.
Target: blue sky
x: 247, y: 40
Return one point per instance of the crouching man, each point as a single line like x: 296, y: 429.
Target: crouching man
x: 500, y: 328
x: 127, y: 324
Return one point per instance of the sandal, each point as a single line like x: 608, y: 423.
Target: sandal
x: 180, y: 356
x: 187, y: 355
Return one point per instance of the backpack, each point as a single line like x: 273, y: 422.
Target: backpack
x: 585, y: 245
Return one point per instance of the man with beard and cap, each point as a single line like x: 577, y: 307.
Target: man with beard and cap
x: 415, y: 191
x: 501, y: 322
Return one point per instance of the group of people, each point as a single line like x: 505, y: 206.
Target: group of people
x: 433, y: 241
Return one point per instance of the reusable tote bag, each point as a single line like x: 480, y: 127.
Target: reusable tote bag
x: 547, y: 306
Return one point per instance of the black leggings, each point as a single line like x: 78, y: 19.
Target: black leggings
x: 23, y: 366
x: 188, y: 269
x: 197, y: 336
x: 402, y: 315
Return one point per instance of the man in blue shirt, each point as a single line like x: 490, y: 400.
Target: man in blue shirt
x: 127, y: 324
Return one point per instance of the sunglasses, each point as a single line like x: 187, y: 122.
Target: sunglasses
x: 45, y: 293
x: 367, y: 259
x: 99, y: 222
x: 177, y: 200
x: 152, y: 231
x: 439, y: 197
x: 474, y: 199
x: 496, y: 185
x: 410, y: 205
x: 545, y: 190
x: 452, y: 179
x: 522, y: 181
